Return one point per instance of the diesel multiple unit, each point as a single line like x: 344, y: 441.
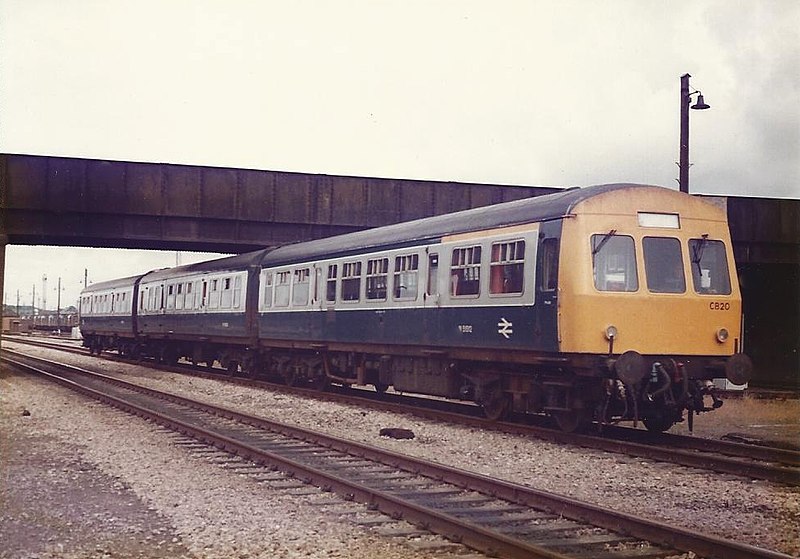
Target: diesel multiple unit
x: 606, y: 303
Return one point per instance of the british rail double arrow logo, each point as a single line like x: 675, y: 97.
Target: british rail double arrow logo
x: 504, y: 328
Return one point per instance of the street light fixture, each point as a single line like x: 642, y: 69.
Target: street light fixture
x: 686, y: 99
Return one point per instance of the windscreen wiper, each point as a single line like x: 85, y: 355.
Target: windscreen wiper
x: 603, y: 241
x: 699, y: 248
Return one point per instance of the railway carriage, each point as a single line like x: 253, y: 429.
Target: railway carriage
x: 606, y: 303
x: 603, y: 303
x: 106, y: 314
x: 199, y: 311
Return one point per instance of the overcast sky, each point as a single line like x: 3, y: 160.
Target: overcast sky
x: 518, y: 92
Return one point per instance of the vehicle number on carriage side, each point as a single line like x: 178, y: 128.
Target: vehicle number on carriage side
x: 465, y: 328
x: 719, y: 306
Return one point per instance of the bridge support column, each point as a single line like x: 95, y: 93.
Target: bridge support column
x: 3, y: 235
x: 3, y: 240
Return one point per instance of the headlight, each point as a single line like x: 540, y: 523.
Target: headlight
x: 611, y: 332
x: 722, y: 335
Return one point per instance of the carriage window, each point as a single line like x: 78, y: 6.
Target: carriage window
x: 213, y: 298
x: 237, y: 292
x: 377, y: 278
x: 507, y: 268
x: 549, y: 264
x: 178, y: 297
x: 300, y: 288
x: 406, y: 276
x: 171, y: 296
x: 614, y: 262
x: 710, y: 274
x: 663, y: 265
x: 465, y: 271
x: 330, y: 293
x: 266, y: 301
x: 282, y: 283
x: 351, y: 281
x: 226, y: 297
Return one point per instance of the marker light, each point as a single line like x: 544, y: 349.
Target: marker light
x: 722, y: 335
x: 611, y: 332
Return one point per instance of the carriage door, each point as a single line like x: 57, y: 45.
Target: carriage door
x: 546, y: 307
x: 431, y: 322
x: 432, y: 289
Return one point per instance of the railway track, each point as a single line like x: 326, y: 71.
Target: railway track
x: 493, y: 516
x: 778, y: 465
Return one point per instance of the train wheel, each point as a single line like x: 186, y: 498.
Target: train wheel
x: 314, y: 372
x: 570, y: 421
x: 290, y: 377
x: 320, y: 382
x: 496, y: 405
x: 251, y: 365
x: 657, y: 423
x: 169, y: 355
x: 231, y: 367
x: 380, y: 387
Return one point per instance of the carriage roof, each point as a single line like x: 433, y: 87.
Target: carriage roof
x: 429, y: 230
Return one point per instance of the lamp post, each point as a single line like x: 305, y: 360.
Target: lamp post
x: 686, y: 99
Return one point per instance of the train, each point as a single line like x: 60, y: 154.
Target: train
x: 601, y: 304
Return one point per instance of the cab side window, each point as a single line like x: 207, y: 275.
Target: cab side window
x: 549, y: 264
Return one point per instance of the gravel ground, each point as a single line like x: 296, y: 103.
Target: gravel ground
x: 217, y: 512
